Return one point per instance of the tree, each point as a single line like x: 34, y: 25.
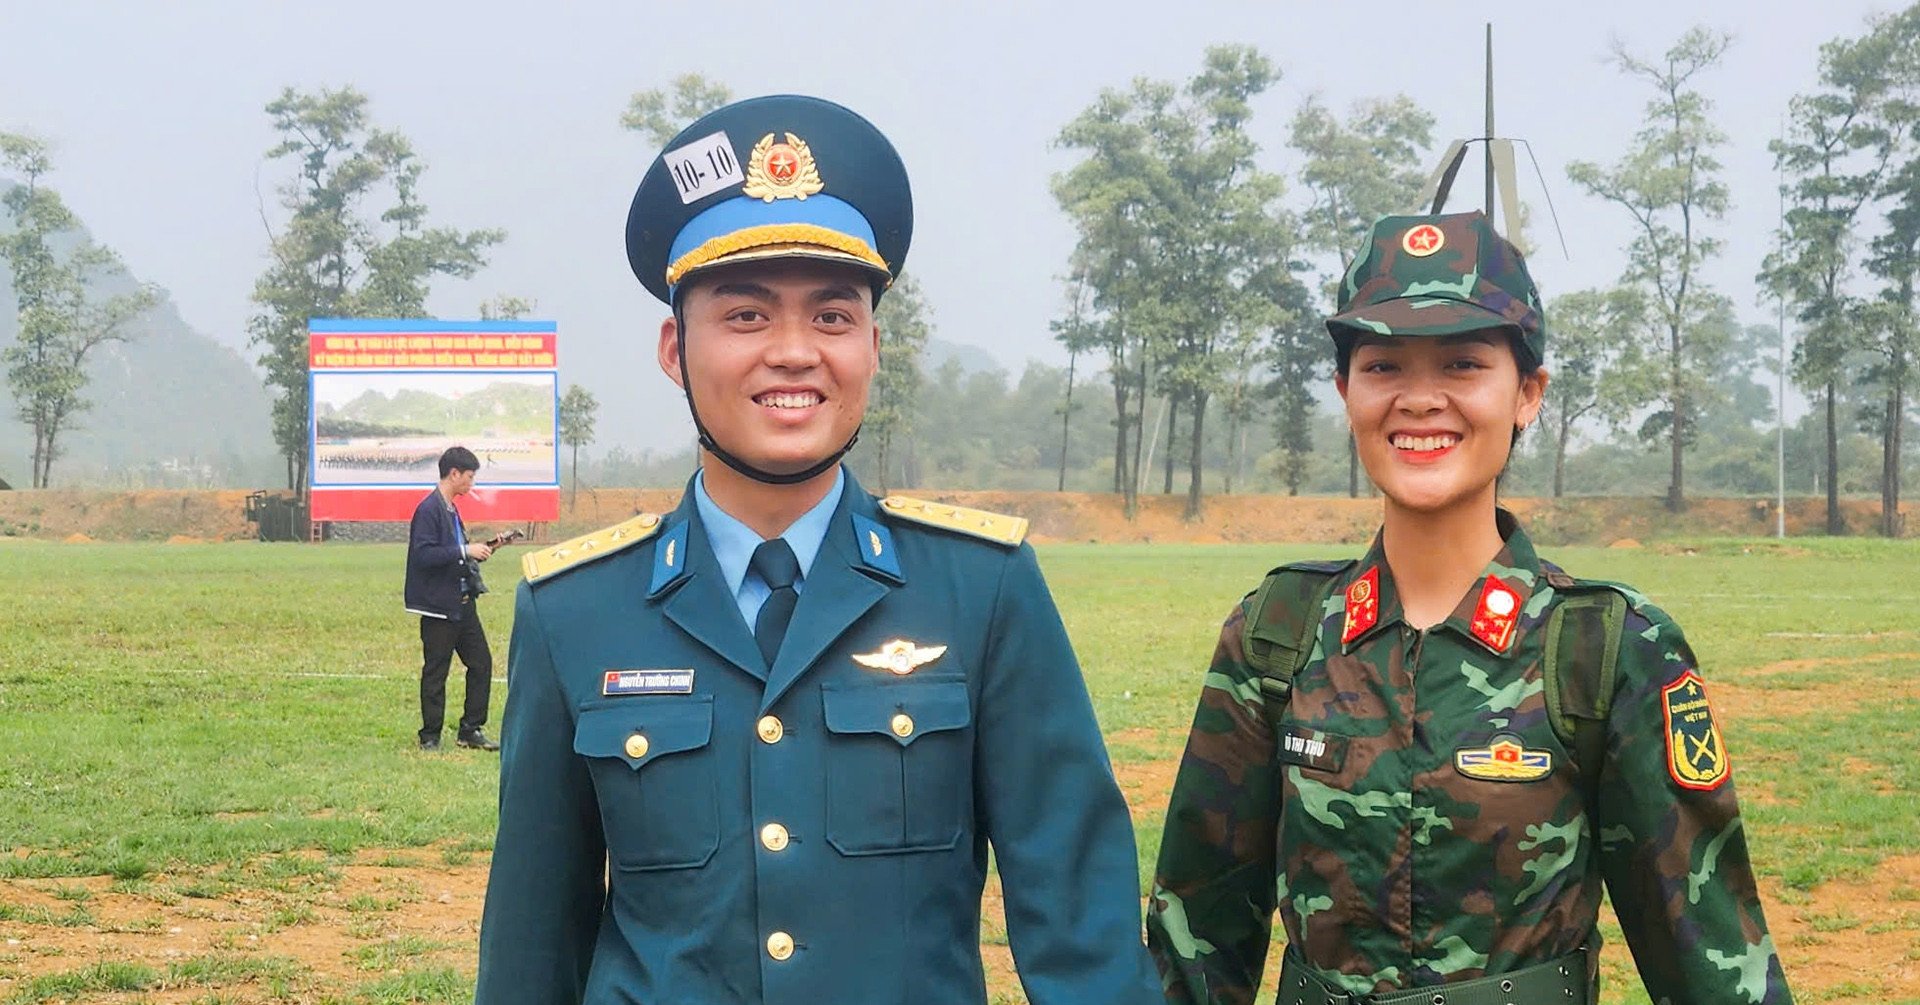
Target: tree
x: 1834, y: 154
x: 1078, y: 334
x: 1176, y: 222
x: 335, y: 255
x: 62, y: 319
x: 661, y: 113
x: 1112, y: 197
x: 578, y: 409
x: 1588, y: 326
x: 1668, y: 183
x: 1355, y: 173
x: 1890, y: 57
x: 506, y: 308
x: 905, y: 324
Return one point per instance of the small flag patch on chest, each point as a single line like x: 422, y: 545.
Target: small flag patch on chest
x: 647, y: 682
x: 1505, y: 759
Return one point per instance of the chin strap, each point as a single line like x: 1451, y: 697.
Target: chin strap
x: 713, y: 447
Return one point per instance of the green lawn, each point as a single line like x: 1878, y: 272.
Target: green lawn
x: 203, y: 712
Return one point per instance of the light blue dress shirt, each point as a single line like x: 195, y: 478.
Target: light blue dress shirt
x: 733, y: 543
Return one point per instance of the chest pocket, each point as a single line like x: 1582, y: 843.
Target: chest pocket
x: 654, y: 777
x: 899, y: 766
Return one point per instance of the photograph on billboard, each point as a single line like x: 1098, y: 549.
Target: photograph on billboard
x: 389, y: 396
x: 377, y: 429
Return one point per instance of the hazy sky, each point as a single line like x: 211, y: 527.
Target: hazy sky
x: 155, y: 112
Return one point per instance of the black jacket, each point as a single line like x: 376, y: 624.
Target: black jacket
x: 436, y: 565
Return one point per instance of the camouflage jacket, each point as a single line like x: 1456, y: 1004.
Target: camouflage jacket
x: 1417, y: 822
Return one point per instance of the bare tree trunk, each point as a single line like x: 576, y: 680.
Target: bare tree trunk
x: 1173, y: 424
x: 573, y: 496
x: 1353, y: 467
x: 1891, y: 449
x: 1233, y: 447
x: 1835, y: 525
x: 1136, y: 474
x: 1560, y: 458
x: 1120, y: 480
x: 1194, y: 457
x: 1676, y: 429
x: 1066, y: 421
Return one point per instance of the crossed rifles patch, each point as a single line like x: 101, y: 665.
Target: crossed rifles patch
x: 1696, y: 757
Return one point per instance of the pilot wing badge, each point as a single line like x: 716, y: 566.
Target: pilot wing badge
x: 900, y: 657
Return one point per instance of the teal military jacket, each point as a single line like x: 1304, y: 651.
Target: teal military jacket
x: 680, y: 822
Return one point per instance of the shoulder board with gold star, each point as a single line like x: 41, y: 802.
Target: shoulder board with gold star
x: 550, y: 562
x: 996, y: 527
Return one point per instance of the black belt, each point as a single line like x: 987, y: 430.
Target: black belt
x: 1555, y: 982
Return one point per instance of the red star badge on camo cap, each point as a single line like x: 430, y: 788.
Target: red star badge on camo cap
x: 1423, y: 240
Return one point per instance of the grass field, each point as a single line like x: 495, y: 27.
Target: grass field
x: 208, y: 791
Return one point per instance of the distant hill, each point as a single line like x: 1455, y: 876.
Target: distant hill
x: 972, y: 359
x: 516, y: 406
x: 171, y: 407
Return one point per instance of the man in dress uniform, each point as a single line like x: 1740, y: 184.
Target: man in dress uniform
x: 757, y: 749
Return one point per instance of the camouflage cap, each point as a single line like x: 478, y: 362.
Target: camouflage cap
x: 1440, y: 275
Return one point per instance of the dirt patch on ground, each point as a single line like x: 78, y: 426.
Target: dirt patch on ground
x: 385, y: 913
x: 339, y: 925
x: 80, y: 515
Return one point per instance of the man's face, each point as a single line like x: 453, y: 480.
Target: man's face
x: 1433, y: 418
x: 780, y: 355
x: 460, y: 482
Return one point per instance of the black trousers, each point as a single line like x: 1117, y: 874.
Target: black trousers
x: 440, y: 638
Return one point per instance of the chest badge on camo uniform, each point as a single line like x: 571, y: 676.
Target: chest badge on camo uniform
x: 1505, y: 759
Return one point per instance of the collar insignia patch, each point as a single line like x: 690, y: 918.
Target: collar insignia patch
x: 1497, y: 614
x: 1363, y: 605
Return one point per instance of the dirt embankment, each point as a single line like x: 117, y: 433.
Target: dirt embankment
x: 187, y: 515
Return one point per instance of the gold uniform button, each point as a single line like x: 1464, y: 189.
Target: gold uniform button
x: 774, y: 837
x: 779, y: 945
x: 771, y: 729
x: 636, y: 746
x: 903, y: 725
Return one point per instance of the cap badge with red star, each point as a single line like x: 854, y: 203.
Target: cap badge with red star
x: 781, y: 170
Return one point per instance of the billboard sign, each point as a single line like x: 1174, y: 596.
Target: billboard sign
x: 390, y: 396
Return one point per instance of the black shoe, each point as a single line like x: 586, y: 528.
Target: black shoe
x: 476, y: 740
x: 429, y: 743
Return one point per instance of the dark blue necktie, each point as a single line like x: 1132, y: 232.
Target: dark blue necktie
x: 774, y: 563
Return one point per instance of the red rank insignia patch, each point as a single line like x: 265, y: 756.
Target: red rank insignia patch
x: 1496, y: 615
x: 1363, y: 605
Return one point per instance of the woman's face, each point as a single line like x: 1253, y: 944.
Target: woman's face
x: 1433, y: 418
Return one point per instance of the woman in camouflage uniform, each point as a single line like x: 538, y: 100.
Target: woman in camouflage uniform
x: 1430, y: 778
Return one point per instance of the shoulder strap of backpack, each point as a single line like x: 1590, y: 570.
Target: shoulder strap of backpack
x: 1283, y: 625
x: 1582, y: 650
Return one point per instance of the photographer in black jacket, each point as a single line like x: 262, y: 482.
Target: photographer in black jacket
x: 442, y: 582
